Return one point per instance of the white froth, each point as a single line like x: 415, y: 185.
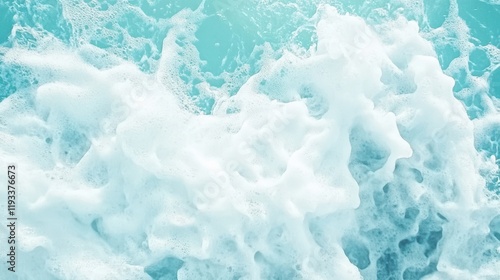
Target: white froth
x: 131, y: 174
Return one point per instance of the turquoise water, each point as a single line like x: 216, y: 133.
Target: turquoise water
x: 137, y: 31
x: 253, y: 139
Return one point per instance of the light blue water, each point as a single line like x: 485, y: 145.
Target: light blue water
x: 224, y: 139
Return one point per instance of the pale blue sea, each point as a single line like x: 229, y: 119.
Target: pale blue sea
x: 257, y: 139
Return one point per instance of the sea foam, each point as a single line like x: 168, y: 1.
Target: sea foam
x: 350, y: 158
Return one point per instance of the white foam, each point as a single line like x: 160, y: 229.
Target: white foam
x: 133, y: 174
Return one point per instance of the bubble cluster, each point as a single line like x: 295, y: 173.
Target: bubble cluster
x: 253, y: 140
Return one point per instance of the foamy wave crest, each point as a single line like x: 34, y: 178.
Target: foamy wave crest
x: 338, y: 152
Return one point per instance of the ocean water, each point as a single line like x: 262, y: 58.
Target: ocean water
x: 231, y: 139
